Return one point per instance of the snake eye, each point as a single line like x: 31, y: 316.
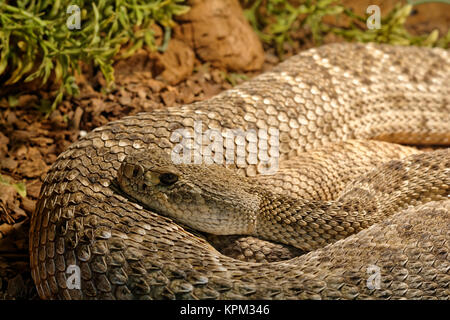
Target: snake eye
x: 168, y: 178
x: 137, y: 170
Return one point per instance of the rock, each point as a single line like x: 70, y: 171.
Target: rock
x: 177, y: 62
x: 220, y: 34
x: 8, y: 163
x: 28, y: 205
x: 168, y: 98
x: 33, y: 188
x: 154, y: 85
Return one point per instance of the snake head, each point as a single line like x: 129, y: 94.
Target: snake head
x: 208, y: 198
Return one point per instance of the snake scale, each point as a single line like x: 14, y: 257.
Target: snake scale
x: 338, y: 96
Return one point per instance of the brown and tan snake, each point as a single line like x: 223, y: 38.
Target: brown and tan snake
x: 359, y: 208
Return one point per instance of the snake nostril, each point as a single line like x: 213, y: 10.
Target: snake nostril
x: 126, y: 170
x: 138, y: 171
x: 131, y: 171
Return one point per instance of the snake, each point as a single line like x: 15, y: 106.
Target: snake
x: 311, y: 154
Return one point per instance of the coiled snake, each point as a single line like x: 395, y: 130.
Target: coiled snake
x: 322, y: 98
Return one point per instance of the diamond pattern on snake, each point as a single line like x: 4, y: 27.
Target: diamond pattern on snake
x: 350, y: 193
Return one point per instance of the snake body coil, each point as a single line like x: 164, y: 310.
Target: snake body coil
x: 212, y: 199
x: 322, y: 96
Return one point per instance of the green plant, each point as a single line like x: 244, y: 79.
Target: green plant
x: 20, y: 186
x: 279, y: 18
x: 233, y: 77
x: 275, y: 21
x: 392, y: 30
x: 36, y: 42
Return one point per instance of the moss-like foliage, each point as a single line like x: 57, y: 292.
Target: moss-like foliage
x: 44, y: 38
x: 275, y: 20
